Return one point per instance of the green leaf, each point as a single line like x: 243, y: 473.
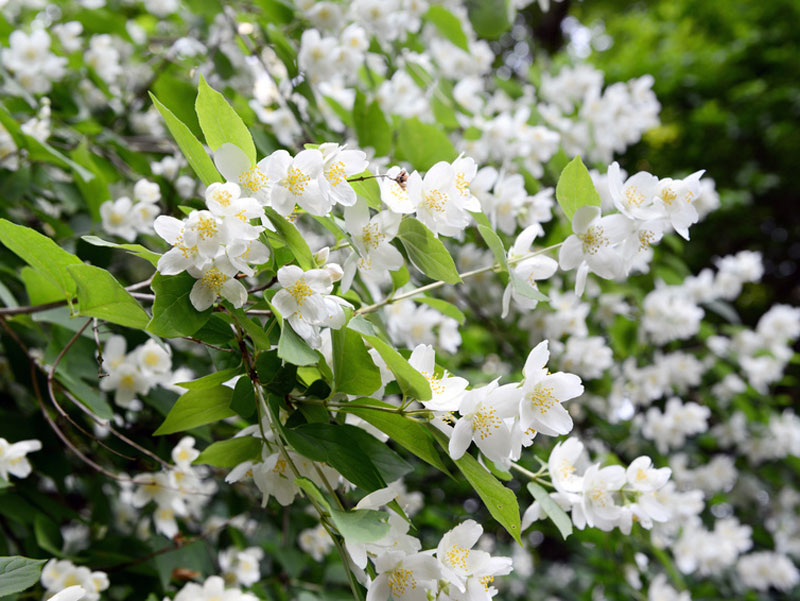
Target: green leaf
x: 495, y: 244
x: 41, y: 290
x: 293, y: 238
x: 354, y: 371
x: 47, y: 534
x: 523, y: 288
x: 575, y: 188
x: 88, y: 395
x: 94, y: 190
x: 443, y: 307
x: 100, y: 295
x: 19, y: 573
x: 552, y: 509
x: 211, y: 380
x: 220, y: 123
x: 191, y: 147
x: 230, y: 453
x: 41, y: 253
x: 313, y: 492
x: 448, y: 25
x: 135, y: 249
x: 403, y: 430
x: 371, y: 126
x: 427, y: 252
x: 368, y: 189
x: 499, y: 500
x: 423, y: 145
x: 173, y: 313
x: 293, y: 349
x: 197, y: 408
x: 357, y: 455
x: 361, y: 525
x: 411, y: 382
x: 243, y: 401
x: 489, y: 18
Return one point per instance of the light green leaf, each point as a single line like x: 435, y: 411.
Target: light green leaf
x: 490, y: 18
x: 293, y: 239
x: 411, y: 382
x: 41, y: 290
x: 495, y: 244
x: 448, y: 25
x: 100, y: 295
x: 191, y: 147
x: 368, y: 189
x: 220, y: 123
x: 230, y: 453
x: 443, y: 307
x: 95, y: 190
x: 575, y: 188
x: 293, y: 349
x: 210, y: 380
x: 354, y: 372
x: 499, y: 500
x: 173, y: 313
x: 197, y: 408
x: 371, y: 126
x: 361, y: 525
x: 135, y: 249
x: 523, y: 288
x: 18, y: 573
x: 313, y: 492
x: 403, y: 430
x: 423, y: 144
x: 552, y: 509
x: 427, y: 252
x: 41, y: 253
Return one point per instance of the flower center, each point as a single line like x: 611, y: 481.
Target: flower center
x: 300, y: 291
x: 335, y: 173
x: 634, y: 196
x: 542, y: 399
x: 668, y: 195
x: 437, y: 387
x: 223, y: 197
x: 462, y: 184
x: 485, y: 421
x: 253, y: 179
x: 593, y: 239
x: 646, y: 238
x: 435, y: 200
x: 371, y: 236
x: 207, y: 227
x: 213, y: 279
x: 296, y: 181
x: 457, y: 556
x: 401, y: 580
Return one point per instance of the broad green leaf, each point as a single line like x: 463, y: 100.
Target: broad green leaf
x: 18, y: 573
x: 354, y: 371
x: 230, y: 453
x: 220, y: 123
x: 47, y: 535
x: 371, y: 126
x: 41, y: 290
x: 191, y: 147
x: 575, y: 188
x: 358, y: 456
x: 423, y: 145
x: 361, y: 525
x: 552, y: 509
x: 88, y: 395
x: 100, y: 295
x: 313, y: 492
x: 211, y: 380
x: 368, y: 189
x: 495, y: 244
x: 243, y: 401
x: 448, y: 25
x: 427, y: 252
x: 443, y: 307
x: 523, y: 287
x: 499, y: 500
x: 135, y: 249
x: 411, y: 382
x: 490, y: 18
x: 293, y: 349
x: 173, y: 313
x: 403, y: 430
x: 293, y: 239
x: 41, y: 253
x: 197, y: 408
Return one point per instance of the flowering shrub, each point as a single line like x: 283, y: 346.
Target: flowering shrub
x: 371, y: 291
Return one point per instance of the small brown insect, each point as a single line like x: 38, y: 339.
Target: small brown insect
x: 401, y: 178
x: 185, y: 574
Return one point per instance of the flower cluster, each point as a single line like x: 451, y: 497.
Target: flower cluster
x: 126, y: 217
x: 29, y: 58
x: 133, y: 374
x: 60, y: 575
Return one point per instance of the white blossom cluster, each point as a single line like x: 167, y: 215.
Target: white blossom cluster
x: 60, y: 575
x: 30, y: 60
x: 133, y: 374
x: 211, y: 590
x: 126, y: 217
x: 604, y: 497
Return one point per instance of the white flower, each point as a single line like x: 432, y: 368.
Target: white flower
x: 296, y: 182
x: 236, y: 167
x: 677, y: 198
x: 642, y: 476
x: 13, y: 460
x: 118, y: 218
x: 393, y: 194
x: 371, y: 237
x: 71, y: 593
x: 543, y: 393
x: 562, y: 464
x: 338, y: 164
x: 404, y: 577
x: 215, y: 279
x: 242, y: 566
x: 447, y: 391
x: 153, y: 358
x: 636, y: 198
x: 316, y: 541
x: 437, y: 200
x: 213, y: 589
x: 183, y: 253
x: 184, y: 453
x: 484, y: 412
x: 226, y: 202
x: 466, y: 567
x: 527, y: 271
x: 598, y: 504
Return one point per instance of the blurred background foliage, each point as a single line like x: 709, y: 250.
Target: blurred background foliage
x: 727, y: 73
